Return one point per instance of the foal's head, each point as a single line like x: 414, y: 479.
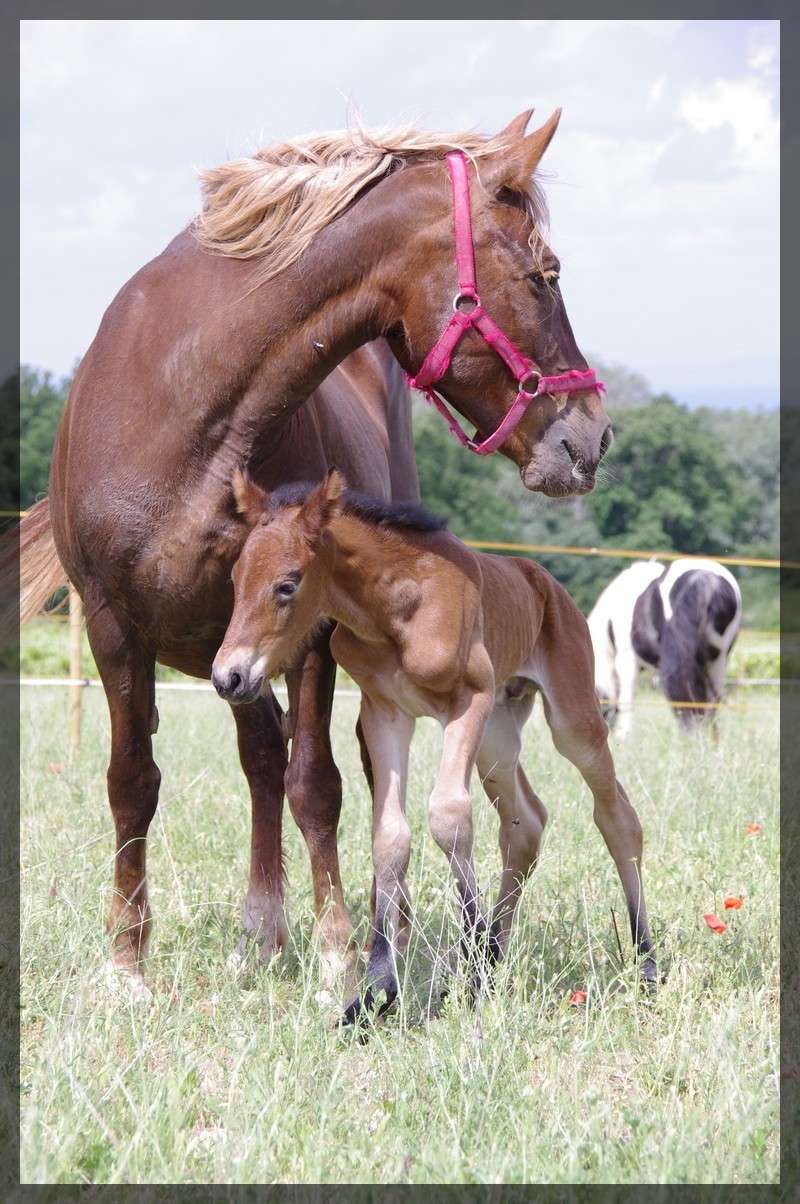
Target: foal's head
x: 278, y: 585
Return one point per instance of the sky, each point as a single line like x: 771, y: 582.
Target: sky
x: 662, y: 179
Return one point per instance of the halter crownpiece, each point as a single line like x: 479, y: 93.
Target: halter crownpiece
x: 437, y: 361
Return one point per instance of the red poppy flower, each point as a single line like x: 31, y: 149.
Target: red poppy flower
x: 577, y: 998
x: 715, y: 924
x: 732, y: 902
x: 752, y: 829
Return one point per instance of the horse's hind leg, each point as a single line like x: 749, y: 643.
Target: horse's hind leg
x: 580, y: 734
x: 522, y: 813
x: 262, y: 752
x: 314, y: 791
x: 127, y: 670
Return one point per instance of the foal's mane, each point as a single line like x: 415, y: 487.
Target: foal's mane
x: 271, y: 205
x: 374, y: 511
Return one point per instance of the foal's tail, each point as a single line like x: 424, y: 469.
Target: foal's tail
x: 29, y: 564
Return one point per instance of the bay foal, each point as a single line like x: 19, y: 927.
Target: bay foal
x: 427, y: 627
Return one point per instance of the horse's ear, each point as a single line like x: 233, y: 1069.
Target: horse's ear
x: 516, y: 128
x: 322, y: 506
x: 250, y: 498
x: 514, y: 168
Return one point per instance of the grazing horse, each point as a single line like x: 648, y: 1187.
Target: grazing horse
x: 681, y: 620
x: 204, y: 360
x: 427, y: 627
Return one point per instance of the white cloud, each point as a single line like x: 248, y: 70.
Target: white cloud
x: 656, y: 91
x: 744, y: 104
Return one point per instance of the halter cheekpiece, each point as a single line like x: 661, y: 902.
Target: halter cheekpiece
x: 438, y: 358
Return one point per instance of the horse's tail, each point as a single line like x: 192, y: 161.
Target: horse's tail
x: 684, y: 647
x: 28, y: 561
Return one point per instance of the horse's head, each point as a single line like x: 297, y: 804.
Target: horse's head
x: 277, y: 582
x: 561, y: 438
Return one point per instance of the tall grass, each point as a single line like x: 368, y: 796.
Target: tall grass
x: 226, y: 1080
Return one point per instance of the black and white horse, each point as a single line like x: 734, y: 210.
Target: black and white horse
x: 681, y: 619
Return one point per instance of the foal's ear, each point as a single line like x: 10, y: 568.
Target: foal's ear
x: 514, y: 168
x: 250, y: 498
x: 322, y: 506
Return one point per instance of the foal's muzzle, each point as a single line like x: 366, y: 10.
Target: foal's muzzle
x: 237, y: 683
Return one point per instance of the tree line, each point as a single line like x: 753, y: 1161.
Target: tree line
x: 696, y: 481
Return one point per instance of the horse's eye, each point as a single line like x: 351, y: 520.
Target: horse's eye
x: 541, y: 279
x: 285, y: 590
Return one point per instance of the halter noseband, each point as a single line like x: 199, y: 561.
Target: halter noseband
x: 437, y: 361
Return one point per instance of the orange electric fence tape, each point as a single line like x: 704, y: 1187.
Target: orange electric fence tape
x: 628, y: 553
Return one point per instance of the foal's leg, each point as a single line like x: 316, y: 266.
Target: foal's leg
x: 262, y: 752
x: 387, y: 736
x: 450, y: 808
x: 580, y: 734
x: 404, y: 931
x: 522, y: 813
x: 127, y: 670
x: 314, y: 791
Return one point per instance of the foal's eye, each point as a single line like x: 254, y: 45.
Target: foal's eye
x: 285, y: 590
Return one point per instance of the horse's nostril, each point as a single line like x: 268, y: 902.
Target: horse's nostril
x: 570, y: 450
x: 606, y: 441
x: 234, y: 682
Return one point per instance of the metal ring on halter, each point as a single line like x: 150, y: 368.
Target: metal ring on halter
x: 459, y: 297
x: 521, y: 382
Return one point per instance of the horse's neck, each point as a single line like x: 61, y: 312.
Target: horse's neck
x: 310, y: 317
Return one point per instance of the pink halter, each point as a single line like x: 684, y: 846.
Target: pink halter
x: 438, y: 358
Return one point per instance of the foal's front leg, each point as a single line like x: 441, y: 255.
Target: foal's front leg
x: 314, y: 790
x: 450, y: 808
x: 387, y: 734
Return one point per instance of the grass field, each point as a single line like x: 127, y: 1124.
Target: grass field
x: 226, y: 1081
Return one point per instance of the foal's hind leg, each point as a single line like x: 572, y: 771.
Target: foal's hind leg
x: 127, y: 670
x: 314, y: 791
x: 262, y: 752
x: 522, y: 813
x: 580, y: 734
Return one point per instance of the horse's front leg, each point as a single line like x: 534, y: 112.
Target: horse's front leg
x: 262, y: 752
x: 314, y: 790
x: 387, y: 735
x: 450, y: 808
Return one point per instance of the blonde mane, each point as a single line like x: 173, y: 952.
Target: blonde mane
x: 271, y: 205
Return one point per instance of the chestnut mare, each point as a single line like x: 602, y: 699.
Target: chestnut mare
x: 302, y: 254
x: 427, y: 627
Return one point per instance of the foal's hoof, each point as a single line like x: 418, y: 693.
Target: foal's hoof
x: 650, y: 977
x: 125, y: 983
x: 361, y: 1008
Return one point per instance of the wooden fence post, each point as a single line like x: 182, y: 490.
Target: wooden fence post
x: 76, y: 689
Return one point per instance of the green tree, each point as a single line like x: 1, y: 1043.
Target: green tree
x: 42, y: 398
x: 674, y: 485
x: 464, y: 488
